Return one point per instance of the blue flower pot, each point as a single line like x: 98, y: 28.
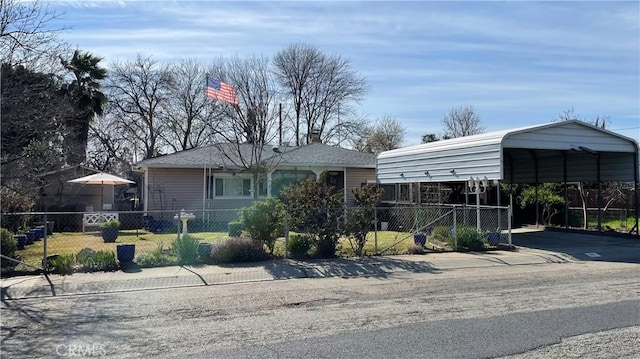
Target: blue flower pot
x: 31, y: 236
x: 109, y: 234
x: 126, y: 252
x: 493, y: 238
x: 39, y: 233
x: 420, y: 239
x: 21, y: 240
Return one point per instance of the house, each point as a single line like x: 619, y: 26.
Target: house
x: 59, y: 195
x: 212, y: 178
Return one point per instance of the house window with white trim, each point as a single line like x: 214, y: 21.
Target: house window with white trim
x: 228, y: 186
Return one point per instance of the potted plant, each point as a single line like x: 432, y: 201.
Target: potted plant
x: 110, y: 230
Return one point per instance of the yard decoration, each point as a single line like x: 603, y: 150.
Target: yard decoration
x: 110, y: 230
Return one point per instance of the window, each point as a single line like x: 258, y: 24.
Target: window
x: 405, y: 192
x: 282, y: 178
x: 222, y: 186
x: 389, y: 192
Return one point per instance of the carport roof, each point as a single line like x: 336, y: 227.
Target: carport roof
x: 552, y: 152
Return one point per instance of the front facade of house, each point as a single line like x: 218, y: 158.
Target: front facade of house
x: 200, y: 179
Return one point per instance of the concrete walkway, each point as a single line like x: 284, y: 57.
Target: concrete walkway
x: 186, y: 276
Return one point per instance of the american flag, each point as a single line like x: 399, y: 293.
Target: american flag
x: 219, y: 90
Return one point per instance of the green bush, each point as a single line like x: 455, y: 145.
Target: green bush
x: 186, y: 248
x: 63, y: 264
x: 8, y: 247
x: 317, y: 208
x: 114, y: 223
x: 157, y: 258
x: 90, y: 260
x: 470, y: 238
x: 299, y: 245
x: 236, y: 250
x: 442, y: 234
x: 86, y: 258
x: 106, y: 260
x: 235, y: 228
x: 264, y: 221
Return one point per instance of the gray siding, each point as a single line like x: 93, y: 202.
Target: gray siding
x: 175, y: 189
x: 356, y: 177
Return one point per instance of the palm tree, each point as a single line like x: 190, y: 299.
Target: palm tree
x: 84, y: 90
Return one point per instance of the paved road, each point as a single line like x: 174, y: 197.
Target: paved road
x: 496, y: 310
x: 465, y: 338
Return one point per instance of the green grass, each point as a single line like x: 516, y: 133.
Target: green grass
x: 73, y: 242
x: 147, y: 242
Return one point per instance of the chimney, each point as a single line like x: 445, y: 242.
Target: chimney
x: 314, y: 136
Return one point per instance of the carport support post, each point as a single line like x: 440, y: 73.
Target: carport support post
x: 635, y: 190
x: 599, y: 195
x: 566, y: 190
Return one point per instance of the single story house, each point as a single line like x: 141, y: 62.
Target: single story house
x: 212, y: 178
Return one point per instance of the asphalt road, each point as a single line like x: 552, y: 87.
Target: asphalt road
x: 464, y: 338
x: 533, y: 310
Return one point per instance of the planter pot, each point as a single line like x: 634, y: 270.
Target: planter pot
x: 126, y: 252
x: 21, y: 239
x: 420, y: 239
x: 109, y: 234
x: 39, y: 233
x: 493, y: 238
x: 31, y: 236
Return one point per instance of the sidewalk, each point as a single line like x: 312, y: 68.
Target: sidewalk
x: 187, y: 276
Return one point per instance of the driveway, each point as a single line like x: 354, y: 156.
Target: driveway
x: 582, y: 246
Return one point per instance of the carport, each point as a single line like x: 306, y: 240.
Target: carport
x: 558, y: 152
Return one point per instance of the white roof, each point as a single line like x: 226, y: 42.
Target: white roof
x: 516, y: 155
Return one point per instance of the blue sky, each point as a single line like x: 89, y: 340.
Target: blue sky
x: 517, y: 63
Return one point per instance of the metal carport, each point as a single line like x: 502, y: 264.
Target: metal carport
x: 560, y: 152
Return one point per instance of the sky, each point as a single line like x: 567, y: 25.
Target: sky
x: 519, y: 63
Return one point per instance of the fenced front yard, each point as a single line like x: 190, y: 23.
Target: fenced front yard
x: 157, y: 236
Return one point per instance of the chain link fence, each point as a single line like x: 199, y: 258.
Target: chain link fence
x: 40, y: 238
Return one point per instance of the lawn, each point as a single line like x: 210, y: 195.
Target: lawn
x: 73, y: 242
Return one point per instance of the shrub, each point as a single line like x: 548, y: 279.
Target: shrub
x: 442, y: 234
x: 317, y: 208
x: 8, y: 247
x: 86, y: 258
x: 157, y: 258
x: 114, y: 223
x: 470, y: 238
x: 235, y: 250
x: 63, y: 264
x: 235, y: 228
x: 105, y: 260
x: 299, y: 245
x: 263, y: 221
x: 359, y: 219
x: 415, y: 249
x: 186, y: 248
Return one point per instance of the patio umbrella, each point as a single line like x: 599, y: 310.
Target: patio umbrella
x: 101, y: 179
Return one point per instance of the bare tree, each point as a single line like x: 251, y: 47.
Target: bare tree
x: 323, y: 90
x: 139, y: 92
x: 27, y: 37
x: 386, y: 134
x: 462, y: 121
x: 248, y: 128
x: 191, y: 117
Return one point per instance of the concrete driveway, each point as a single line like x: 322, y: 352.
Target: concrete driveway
x: 582, y: 246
